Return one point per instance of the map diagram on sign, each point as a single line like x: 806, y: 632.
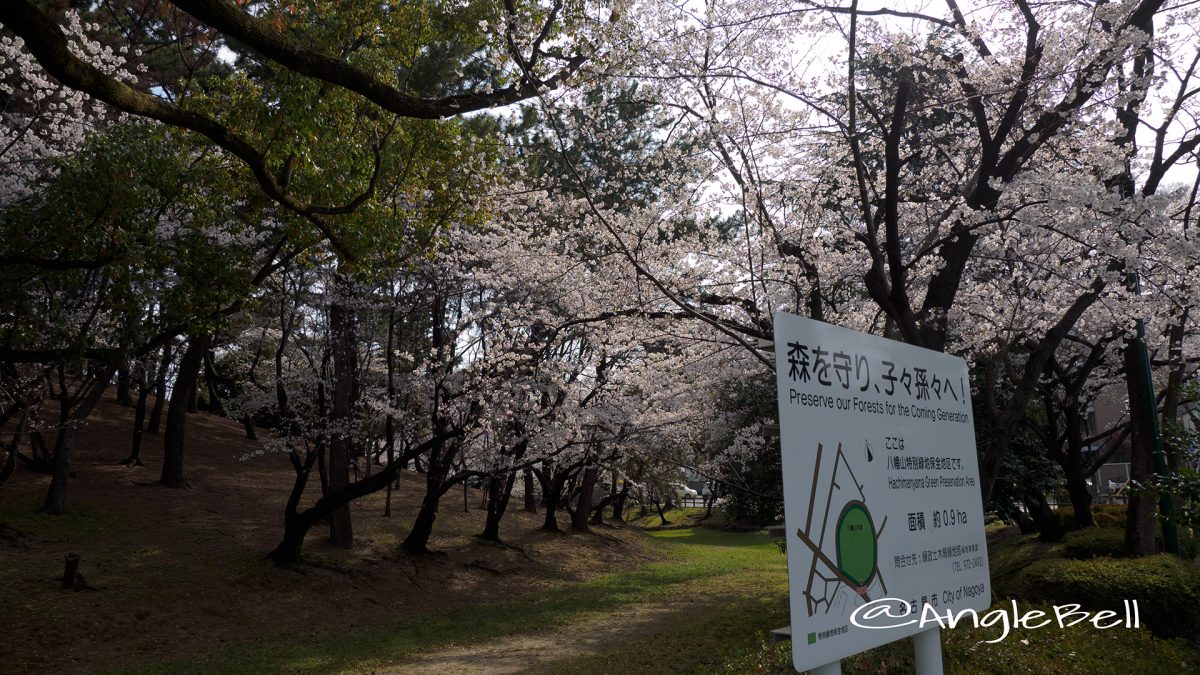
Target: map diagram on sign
x: 840, y: 532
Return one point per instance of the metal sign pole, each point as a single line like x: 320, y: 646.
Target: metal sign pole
x: 927, y: 647
x: 834, y: 668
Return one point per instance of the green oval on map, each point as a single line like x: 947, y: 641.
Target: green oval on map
x: 856, y: 546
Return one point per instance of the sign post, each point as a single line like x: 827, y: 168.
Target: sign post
x: 881, y: 493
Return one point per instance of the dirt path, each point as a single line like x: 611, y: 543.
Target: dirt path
x: 536, y: 651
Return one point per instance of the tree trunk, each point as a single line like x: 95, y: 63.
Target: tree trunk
x: 553, y: 495
x: 193, y: 399
x: 1081, y: 501
x: 64, y: 446
x: 287, y: 552
x: 1044, y: 518
x: 389, y: 425
x: 486, y: 492
x: 661, y: 513
x: 579, y: 522
x: 390, y: 431
x: 160, y: 390
x: 618, y: 506
x: 215, y: 405
x: 295, y: 525
x: 1175, y: 377
x: 123, y: 382
x: 610, y: 498
x: 530, y: 497
x: 1005, y: 425
x: 323, y: 471
x: 598, y: 512
x: 1072, y: 464
x: 41, y: 459
x: 499, y: 493
x: 139, y: 417
x: 181, y: 394
x: 345, y: 353
x: 1139, y: 526
x: 10, y: 462
x: 417, y: 541
x: 1024, y: 523
x: 56, y: 496
x: 248, y: 425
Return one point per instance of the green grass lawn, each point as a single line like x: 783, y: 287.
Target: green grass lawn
x: 680, y: 519
x: 743, y: 574
x: 740, y: 585
x: 716, y: 595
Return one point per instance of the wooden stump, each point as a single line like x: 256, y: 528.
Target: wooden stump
x: 70, y: 570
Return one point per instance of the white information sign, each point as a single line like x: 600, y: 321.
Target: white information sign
x: 881, y: 489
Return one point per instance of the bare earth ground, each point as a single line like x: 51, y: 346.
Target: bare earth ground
x: 534, y: 652
x: 180, y: 572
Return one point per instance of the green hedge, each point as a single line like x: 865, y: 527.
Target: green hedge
x: 1095, y: 542
x: 1167, y: 589
x: 1105, y: 515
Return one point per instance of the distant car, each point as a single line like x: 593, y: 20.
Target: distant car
x: 683, y: 492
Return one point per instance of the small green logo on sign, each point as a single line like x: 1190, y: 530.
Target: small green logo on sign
x: 812, y: 638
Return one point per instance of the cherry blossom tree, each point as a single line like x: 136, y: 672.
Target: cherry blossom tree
x: 928, y: 161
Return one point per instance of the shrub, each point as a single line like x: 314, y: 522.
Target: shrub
x: 1110, y: 515
x: 995, y: 526
x: 1095, y: 542
x: 1105, y: 515
x: 1189, y: 544
x: 1077, y: 649
x: 1066, y: 515
x: 759, y: 656
x: 1167, y: 589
